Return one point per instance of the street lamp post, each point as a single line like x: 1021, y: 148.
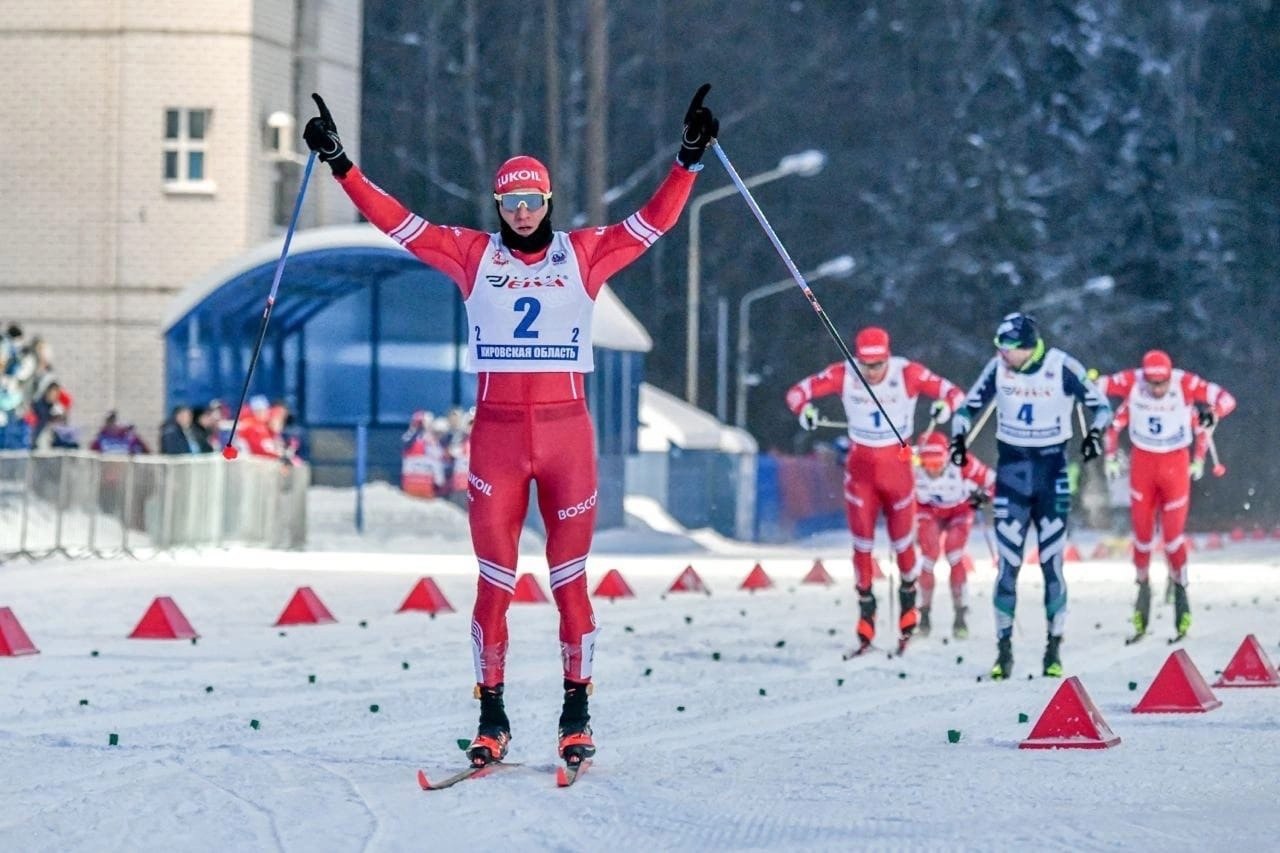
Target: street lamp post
x: 838, y: 266
x: 806, y: 164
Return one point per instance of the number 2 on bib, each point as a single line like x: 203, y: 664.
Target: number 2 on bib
x: 531, y: 308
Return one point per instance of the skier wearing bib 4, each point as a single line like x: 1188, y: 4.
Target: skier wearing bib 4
x: 946, y: 497
x: 1163, y: 403
x: 876, y: 477
x: 1035, y: 389
x: 529, y: 293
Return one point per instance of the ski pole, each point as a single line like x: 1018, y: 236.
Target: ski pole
x: 982, y: 421
x: 823, y: 422
x: 229, y: 452
x: 1219, y: 469
x: 903, y: 450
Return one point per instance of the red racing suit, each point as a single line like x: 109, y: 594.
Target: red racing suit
x: 1161, y: 432
x: 530, y: 425
x: 876, y: 478
x: 943, y: 520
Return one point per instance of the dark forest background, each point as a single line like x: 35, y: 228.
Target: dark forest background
x: 983, y: 156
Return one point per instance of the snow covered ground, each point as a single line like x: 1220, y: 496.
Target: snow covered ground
x: 763, y: 748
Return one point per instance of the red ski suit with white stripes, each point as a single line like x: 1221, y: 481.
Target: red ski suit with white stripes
x: 529, y: 426
x: 876, y: 477
x: 1161, y: 433
x: 944, y: 518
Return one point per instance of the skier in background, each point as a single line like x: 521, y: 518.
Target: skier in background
x: 1163, y: 403
x: 1035, y: 389
x: 530, y: 293
x: 876, y: 478
x: 946, y: 498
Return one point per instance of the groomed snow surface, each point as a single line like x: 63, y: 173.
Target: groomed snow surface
x: 763, y: 748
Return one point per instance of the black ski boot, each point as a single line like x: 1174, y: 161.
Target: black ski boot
x: 1142, y: 610
x: 959, y: 629
x: 910, y: 616
x: 1181, y: 611
x: 575, y: 724
x: 925, y: 626
x: 866, y: 618
x: 1004, y: 659
x: 490, y: 743
x: 1052, y: 657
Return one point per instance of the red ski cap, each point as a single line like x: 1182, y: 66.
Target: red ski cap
x: 1157, y: 366
x: 933, y: 452
x: 871, y: 345
x: 522, y: 172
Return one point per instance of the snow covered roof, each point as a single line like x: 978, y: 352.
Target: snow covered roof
x: 614, y: 326
x: 666, y: 420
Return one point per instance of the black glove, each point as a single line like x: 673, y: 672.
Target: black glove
x: 321, y: 136
x: 959, y: 455
x: 700, y: 127
x: 1091, y: 447
x: 979, y: 498
x: 1208, y: 418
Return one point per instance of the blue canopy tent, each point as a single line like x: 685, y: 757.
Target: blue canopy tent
x: 364, y: 333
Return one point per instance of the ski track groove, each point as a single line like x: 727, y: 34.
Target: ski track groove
x: 376, y: 828
x: 265, y: 813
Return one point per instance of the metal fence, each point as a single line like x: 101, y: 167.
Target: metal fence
x: 83, y: 504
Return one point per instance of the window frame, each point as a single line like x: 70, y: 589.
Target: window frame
x: 181, y: 146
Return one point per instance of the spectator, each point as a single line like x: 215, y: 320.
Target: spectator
x: 254, y: 434
x: 204, y: 428
x: 49, y: 403
x: 176, y: 435
x: 13, y: 429
x: 421, y: 458
x: 116, y: 437
x: 58, y: 435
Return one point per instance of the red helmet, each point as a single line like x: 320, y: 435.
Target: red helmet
x: 522, y: 172
x: 933, y: 452
x: 871, y: 345
x: 1157, y: 366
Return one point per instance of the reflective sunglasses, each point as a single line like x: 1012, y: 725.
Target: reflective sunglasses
x: 511, y: 202
x: 1008, y: 345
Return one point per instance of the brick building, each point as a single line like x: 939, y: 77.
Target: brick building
x: 145, y: 142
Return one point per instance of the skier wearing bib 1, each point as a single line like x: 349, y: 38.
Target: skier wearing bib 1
x: 876, y: 477
x: 1035, y: 389
x: 529, y: 292
x: 1163, y: 404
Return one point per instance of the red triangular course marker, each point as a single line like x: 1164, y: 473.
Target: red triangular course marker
x: 13, y: 640
x: 1178, y: 688
x: 688, y: 581
x: 819, y: 575
x: 305, y: 608
x: 426, y: 597
x: 528, y: 591
x: 1070, y: 721
x: 613, y: 585
x: 1071, y: 554
x: 1249, y: 667
x: 757, y: 578
x: 163, y: 621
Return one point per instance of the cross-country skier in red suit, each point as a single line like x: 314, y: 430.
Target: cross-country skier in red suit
x: 946, y: 497
x: 1163, y: 401
x: 877, y: 478
x: 530, y: 293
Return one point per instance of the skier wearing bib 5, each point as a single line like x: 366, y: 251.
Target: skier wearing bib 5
x: 529, y: 293
x: 1035, y: 389
x: 1164, y: 404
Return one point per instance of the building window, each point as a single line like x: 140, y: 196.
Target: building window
x: 185, y: 142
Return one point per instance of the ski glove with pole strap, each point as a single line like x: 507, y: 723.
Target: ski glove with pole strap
x: 959, y: 455
x: 321, y: 136
x: 809, y: 417
x: 700, y: 127
x: 939, y: 412
x: 1091, y: 447
x: 1207, y: 417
